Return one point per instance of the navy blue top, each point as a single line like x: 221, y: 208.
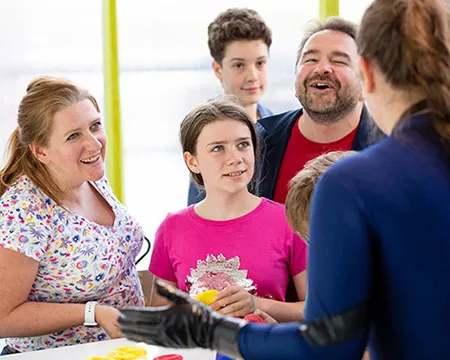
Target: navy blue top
x: 380, y: 232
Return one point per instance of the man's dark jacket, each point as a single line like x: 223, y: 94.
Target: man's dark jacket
x: 274, y: 133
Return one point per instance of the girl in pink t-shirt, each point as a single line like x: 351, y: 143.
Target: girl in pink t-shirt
x: 232, y: 241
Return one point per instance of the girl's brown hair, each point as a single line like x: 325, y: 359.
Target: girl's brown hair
x: 194, y: 122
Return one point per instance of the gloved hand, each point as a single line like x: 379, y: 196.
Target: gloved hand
x: 186, y: 324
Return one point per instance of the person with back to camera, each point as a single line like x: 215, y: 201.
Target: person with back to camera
x: 239, y: 41
x: 220, y: 243
x: 67, y: 245
x: 380, y: 220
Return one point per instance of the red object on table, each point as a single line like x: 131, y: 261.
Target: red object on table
x: 254, y: 318
x: 169, y: 357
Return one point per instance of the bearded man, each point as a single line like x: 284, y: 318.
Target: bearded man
x: 333, y: 116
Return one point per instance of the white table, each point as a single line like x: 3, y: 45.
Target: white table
x: 101, y: 348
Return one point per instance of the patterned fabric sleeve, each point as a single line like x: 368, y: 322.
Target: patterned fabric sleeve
x: 25, y: 222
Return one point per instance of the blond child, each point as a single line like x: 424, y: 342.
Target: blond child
x: 301, y: 186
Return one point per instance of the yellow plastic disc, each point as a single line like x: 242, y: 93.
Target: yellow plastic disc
x: 114, y: 355
x: 98, y: 358
x: 135, y: 350
x: 127, y: 353
x: 207, y: 297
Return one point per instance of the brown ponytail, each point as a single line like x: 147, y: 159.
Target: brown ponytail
x: 409, y: 40
x: 45, y: 96
x: 12, y: 169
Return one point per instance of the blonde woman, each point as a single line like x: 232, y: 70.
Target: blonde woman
x: 67, y: 245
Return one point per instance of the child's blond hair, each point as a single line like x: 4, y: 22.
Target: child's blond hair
x: 301, y: 186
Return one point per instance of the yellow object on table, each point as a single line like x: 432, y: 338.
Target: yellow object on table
x: 124, y: 353
x: 207, y: 297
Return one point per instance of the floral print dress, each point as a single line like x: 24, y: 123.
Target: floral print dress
x: 79, y: 260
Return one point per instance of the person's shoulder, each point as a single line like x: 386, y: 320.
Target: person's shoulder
x: 278, y: 125
x: 367, y: 133
x: 275, y: 122
x: 178, y: 217
x: 103, y: 185
x: 273, y: 208
x: 274, y: 215
x: 25, y: 193
x: 273, y: 205
x: 175, y: 224
x: 25, y: 203
x: 263, y: 111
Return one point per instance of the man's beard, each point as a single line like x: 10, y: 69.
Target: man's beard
x: 329, y: 111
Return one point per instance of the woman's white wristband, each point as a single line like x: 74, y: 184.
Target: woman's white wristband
x: 89, y: 314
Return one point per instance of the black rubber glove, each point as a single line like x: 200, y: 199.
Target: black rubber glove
x: 186, y: 324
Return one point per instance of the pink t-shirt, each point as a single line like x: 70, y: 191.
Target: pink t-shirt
x: 258, y: 249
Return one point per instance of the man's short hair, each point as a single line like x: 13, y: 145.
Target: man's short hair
x: 301, y: 186
x: 334, y: 23
x: 234, y: 25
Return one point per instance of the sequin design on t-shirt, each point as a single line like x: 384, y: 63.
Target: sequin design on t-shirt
x: 217, y: 273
